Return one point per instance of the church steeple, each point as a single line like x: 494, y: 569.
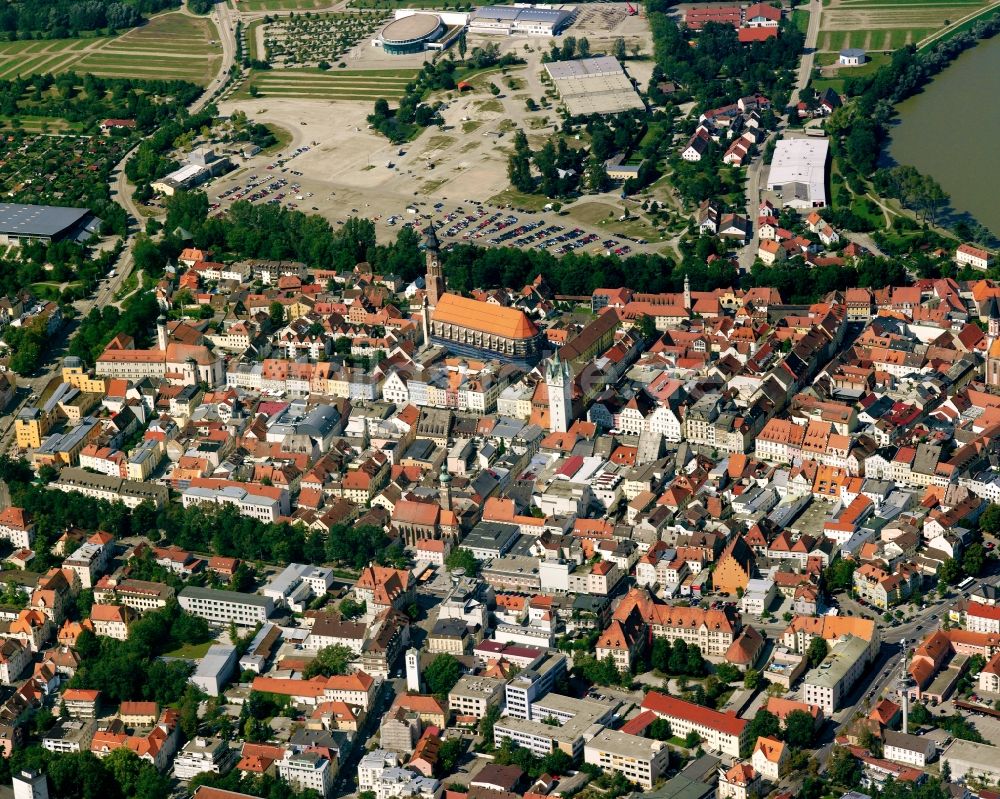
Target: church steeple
x: 434, y: 279
x: 559, y: 383
x: 444, y: 487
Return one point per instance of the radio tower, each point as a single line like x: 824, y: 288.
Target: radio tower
x: 902, y: 688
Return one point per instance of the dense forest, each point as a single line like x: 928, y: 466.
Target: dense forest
x: 87, y: 99
x: 59, y: 19
x: 719, y: 69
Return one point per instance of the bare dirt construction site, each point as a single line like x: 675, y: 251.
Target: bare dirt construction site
x: 348, y: 166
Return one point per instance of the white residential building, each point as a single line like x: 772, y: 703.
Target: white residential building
x: 639, y: 760
x: 222, y: 607
x: 914, y: 750
x: 202, y: 755
x: 307, y: 771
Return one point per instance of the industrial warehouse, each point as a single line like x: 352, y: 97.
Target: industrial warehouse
x: 20, y: 224
x: 518, y: 19
x: 415, y: 31
x: 798, y: 172
x: 594, y: 86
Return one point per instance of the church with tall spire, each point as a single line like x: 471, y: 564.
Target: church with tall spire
x: 434, y: 279
x: 472, y: 328
x: 993, y: 343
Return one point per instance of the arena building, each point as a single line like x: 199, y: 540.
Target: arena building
x: 414, y: 32
x: 524, y: 20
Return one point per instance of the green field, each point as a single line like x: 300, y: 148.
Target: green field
x: 282, y: 5
x: 886, y: 25
x: 337, y: 84
x: 169, y: 46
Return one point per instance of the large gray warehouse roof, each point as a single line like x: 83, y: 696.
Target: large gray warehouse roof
x: 520, y: 13
x: 496, y: 12
x: 584, y: 67
x: 38, y: 220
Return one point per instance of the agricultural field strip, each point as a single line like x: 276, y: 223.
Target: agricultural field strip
x: 133, y: 51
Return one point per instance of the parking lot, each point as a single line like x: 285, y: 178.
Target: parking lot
x: 486, y: 224
x: 266, y: 187
x: 278, y: 183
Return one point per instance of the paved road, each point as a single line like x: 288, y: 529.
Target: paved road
x: 887, y: 666
x: 755, y: 189
x: 756, y: 171
x: 225, y: 20
x: 815, y: 9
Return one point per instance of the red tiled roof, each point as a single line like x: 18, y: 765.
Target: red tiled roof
x: 669, y: 706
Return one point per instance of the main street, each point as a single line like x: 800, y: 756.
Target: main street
x: 756, y: 171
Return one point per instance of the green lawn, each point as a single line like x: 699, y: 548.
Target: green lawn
x: 283, y: 5
x: 872, y: 38
x: 986, y: 12
x: 36, y: 124
x: 283, y: 136
x: 800, y: 19
x: 251, y: 39
x: 361, y: 85
x: 529, y: 202
x: 190, y: 651
x: 855, y: 4
x: 821, y: 84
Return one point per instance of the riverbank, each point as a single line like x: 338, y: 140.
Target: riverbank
x: 946, y: 131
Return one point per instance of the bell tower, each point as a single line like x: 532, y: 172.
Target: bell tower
x: 444, y: 487
x: 559, y: 382
x: 993, y: 344
x: 434, y: 279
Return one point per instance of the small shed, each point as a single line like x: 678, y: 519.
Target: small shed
x: 852, y: 57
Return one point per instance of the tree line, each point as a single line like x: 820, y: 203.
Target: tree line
x: 719, y: 69
x: 87, y: 99
x: 219, y: 531
x: 61, y: 19
x: 861, y: 129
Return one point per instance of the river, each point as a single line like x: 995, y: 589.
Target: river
x: 949, y: 131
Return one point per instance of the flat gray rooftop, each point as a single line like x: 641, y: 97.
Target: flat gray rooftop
x: 38, y: 220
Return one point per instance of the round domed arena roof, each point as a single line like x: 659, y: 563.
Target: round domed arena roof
x: 412, y: 28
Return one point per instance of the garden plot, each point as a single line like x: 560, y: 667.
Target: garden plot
x: 312, y: 39
x: 58, y: 170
